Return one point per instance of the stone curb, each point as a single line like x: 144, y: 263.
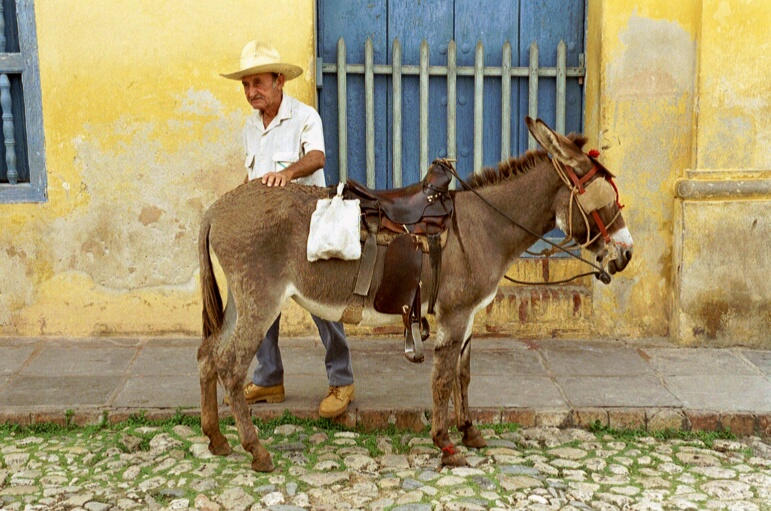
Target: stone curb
x: 649, y: 419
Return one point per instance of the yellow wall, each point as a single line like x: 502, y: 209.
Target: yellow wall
x: 678, y: 99
x: 722, y: 242
x: 141, y: 135
x: 734, y: 89
x: 640, y: 97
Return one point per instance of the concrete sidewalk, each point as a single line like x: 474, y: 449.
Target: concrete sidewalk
x: 624, y: 384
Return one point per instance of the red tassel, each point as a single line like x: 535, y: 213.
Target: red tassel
x: 594, y: 153
x: 449, y: 449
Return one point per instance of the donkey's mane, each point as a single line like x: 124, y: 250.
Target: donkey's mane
x: 516, y: 165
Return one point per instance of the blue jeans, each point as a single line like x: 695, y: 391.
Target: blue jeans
x: 270, y: 370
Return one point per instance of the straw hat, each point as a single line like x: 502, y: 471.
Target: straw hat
x: 261, y: 58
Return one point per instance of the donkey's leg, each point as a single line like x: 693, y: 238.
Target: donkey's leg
x: 443, y: 376
x: 471, y: 435
x: 232, y: 364
x: 207, y: 369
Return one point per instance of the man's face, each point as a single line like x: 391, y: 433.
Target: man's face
x: 263, y: 90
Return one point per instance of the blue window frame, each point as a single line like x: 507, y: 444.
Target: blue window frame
x: 22, y: 149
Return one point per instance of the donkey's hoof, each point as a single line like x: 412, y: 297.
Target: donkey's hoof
x: 473, y: 438
x: 221, y: 448
x: 453, y: 460
x: 262, y: 464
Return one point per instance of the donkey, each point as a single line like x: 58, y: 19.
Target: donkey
x: 259, y: 236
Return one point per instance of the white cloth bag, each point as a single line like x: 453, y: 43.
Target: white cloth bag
x: 334, y: 231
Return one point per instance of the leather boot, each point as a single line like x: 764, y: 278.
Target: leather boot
x: 336, y: 402
x: 254, y: 394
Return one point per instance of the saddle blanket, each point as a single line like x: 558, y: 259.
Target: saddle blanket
x: 385, y: 237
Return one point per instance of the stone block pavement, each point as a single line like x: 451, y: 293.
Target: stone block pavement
x: 623, y: 384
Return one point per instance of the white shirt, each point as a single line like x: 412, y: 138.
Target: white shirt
x: 295, y: 131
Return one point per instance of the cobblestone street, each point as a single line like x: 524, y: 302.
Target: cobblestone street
x: 139, y: 466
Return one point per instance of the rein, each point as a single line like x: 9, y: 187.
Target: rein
x: 600, y: 273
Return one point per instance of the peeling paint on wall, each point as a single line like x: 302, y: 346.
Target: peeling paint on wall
x: 155, y: 199
x: 725, y: 293
x: 139, y: 227
x: 142, y: 134
x: 734, y: 91
x: 646, y: 98
x: 723, y: 252
x: 656, y: 57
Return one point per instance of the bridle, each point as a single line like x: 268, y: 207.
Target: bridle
x: 578, y: 187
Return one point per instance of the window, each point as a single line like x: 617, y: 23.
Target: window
x: 22, y: 157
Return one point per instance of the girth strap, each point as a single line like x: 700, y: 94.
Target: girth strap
x: 353, y: 311
x: 367, y: 262
x: 415, y: 331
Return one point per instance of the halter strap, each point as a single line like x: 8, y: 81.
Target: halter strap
x: 601, y: 226
x: 578, y: 188
x: 579, y: 182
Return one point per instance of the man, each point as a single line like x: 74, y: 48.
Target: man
x: 283, y: 142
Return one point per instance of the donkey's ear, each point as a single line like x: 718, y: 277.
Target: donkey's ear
x: 558, y: 146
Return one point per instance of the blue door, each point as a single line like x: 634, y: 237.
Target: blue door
x: 493, y: 22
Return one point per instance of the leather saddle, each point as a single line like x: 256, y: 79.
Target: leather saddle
x: 408, y: 205
x: 419, y: 210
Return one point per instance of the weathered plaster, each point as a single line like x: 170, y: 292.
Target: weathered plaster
x: 644, y: 93
x: 150, y: 236
x: 142, y: 135
x: 724, y: 290
x: 655, y: 57
x: 722, y: 293
x: 734, y: 92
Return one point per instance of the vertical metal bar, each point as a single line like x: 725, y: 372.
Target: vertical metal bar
x: 369, y: 111
x: 8, y: 135
x: 532, y: 90
x: 5, y: 104
x: 318, y: 61
x: 479, y: 62
x: 342, y: 114
x: 423, y: 108
x: 319, y: 74
x: 506, y: 101
x: 451, y: 104
x: 396, y: 61
x: 2, y: 28
x: 559, y: 122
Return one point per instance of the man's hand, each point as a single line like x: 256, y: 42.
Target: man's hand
x: 276, y: 178
x: 305, y: 166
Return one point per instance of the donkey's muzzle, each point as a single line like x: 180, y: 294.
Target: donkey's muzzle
x: 621, y: 249
x: 621, y: 261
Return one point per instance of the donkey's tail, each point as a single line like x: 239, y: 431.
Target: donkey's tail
x: 212, y: 301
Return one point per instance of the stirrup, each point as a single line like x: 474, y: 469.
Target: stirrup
x: 413, y: 343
